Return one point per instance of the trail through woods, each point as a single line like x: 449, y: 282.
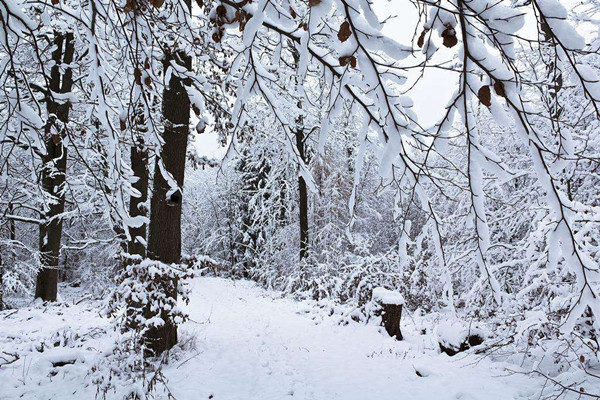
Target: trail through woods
x: 243, y: 343
x: 252, y: 344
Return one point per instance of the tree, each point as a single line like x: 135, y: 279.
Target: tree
x: 139, y: 164
x: 164, y: 235
x: 55, y: 165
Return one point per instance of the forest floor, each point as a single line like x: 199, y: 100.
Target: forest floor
x: 242, y: 343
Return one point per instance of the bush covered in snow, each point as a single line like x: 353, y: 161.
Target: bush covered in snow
x: 145, y: 295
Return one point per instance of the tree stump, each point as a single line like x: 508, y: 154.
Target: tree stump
x: 455, y: 336
x: 470, y: 341
x: 390, y: 309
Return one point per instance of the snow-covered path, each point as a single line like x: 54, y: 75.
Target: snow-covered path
x: 252, y: 344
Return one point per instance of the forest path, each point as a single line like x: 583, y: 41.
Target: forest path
x: 253, y: 344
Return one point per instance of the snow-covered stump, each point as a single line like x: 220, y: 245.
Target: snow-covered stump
x: 389, y: 307
x: 456, y: 336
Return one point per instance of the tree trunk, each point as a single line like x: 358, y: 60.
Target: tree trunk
x: 390, y: 319
x: 54, y: 169
x: 137, y: 205
x: 1, y: 282
x: 302, y: 192
x: 164, y: 236
x: 12, y: 236
x: 303, y: 200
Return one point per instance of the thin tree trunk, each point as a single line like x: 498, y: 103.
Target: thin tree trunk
x: 12, y: 236
x: 303, y: 200
x: 164, y: 236
x: 552, y: 100
x: 1, y: 282
x: 54, y: 169
x: 137, y: 205
x: 302, y: 191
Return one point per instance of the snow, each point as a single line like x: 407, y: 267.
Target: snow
x: 251, y: 343
x: 452, y: 332
x: 386, y: 296
x: 43, y: 336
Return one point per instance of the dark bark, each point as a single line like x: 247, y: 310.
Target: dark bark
x: 54, y: 169
x: 302, y: 199
x: 390, y: 319
x: 137, y: 205
x: 302, y: 191
x: 164, y: 235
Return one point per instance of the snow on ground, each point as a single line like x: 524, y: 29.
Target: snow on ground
x: 251, y: 344
x: 44, y: 338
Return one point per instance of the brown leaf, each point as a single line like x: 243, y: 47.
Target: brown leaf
x: 449, y: 36
x: 137, y: 76
x: 499, y: 89
x: 348, y: 60
x: 55, y: 2
x: 128, y: 6
x: 344, y: 32
x: 157, y: 3
x: 122, y: 124
x: 312, y: 3
x: 216, y: 36
x: 196, y: 109
x: 581, y: 359
x: 421, y: 40
x: 148, y: 81
x: 221, y: 11
x: 240, y: 15
x: 485, y: 95
x: 293, y: 13
x: 200, y: 3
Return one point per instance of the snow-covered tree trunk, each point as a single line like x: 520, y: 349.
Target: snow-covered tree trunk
x: 137, y: 205
x: 164, y: 236
x: 300, y: 136
x: 1, y: 282
x: 12, y: 235
x: 54, y: 166
x: 302, y: 198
